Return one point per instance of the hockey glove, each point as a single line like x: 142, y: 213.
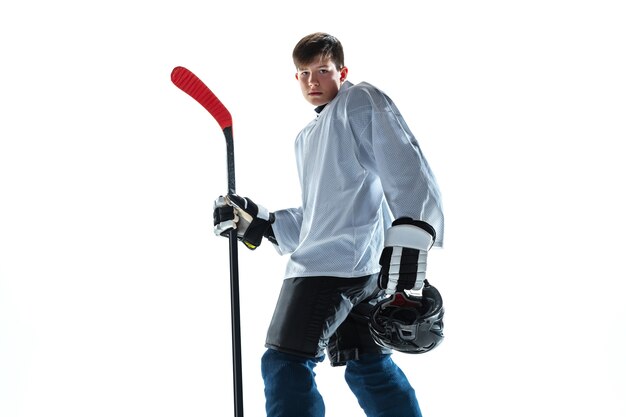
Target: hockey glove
x: 252, y: 221
x: 224, y: 217
x: 403, y: 259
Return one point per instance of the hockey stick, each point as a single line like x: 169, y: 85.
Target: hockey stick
x: 192, y: 85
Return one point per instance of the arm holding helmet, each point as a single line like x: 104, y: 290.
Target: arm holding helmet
x: 388, y: 148
x: 410, y: 317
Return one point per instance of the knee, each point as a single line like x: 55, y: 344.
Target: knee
x: 370, y: 363
x: 376, y: 370
x: 381, y: 387
x: 274, y: 362
x: 268, y: 357
x: 273, y: 357
x: 287, y: 371
x: 271, y: 361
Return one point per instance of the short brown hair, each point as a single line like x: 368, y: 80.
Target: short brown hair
x: 315, y: 45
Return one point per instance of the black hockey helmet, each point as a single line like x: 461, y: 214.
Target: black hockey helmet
x: 408, y: 323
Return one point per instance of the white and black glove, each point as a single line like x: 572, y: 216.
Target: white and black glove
x: 403, y: 260
x: 224, y: 218
x: 252, y: 221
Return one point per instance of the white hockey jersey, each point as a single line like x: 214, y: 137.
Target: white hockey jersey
x: 356, y: 161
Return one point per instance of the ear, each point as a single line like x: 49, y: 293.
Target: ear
x: 297, y: 76
x: 343, y: 74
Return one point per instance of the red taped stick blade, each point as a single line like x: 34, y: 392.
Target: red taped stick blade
x: 192, y: 85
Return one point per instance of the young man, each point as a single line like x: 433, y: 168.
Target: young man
x: 360, y: 167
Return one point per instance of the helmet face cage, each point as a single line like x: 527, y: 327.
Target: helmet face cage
x: 407, y: 323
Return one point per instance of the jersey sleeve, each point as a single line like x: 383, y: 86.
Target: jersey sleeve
x: 386, y: 146
x: 287, y: 225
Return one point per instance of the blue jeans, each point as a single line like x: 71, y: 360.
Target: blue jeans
x: 379, y: 385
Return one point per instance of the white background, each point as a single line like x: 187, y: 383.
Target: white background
x: 114, y: 294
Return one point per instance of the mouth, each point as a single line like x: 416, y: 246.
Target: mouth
x: 315, y: 93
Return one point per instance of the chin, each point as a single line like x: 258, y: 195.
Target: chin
x: 318, y: 102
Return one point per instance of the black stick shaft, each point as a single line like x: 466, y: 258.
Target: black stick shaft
x: 236, y: 326
x: 234, y: 283
x: 230, y: 159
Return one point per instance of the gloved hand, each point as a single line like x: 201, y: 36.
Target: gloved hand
x: 252, y: 221
x: 403, y: 259
x: 224, y: 217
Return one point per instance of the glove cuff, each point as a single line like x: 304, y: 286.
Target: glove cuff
x: 414, y: 234
x: 259, y: 228
x: 264, y: 214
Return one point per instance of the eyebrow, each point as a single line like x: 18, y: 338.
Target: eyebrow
x: 314, y: 67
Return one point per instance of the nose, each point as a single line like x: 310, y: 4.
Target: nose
x: 313, y: 80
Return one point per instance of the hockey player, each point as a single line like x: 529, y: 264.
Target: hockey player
x: 365, y: 187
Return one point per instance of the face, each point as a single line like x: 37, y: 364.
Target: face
x: 320, y: 81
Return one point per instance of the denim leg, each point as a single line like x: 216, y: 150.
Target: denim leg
x: 381, y: 387
x: 290, y: 388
